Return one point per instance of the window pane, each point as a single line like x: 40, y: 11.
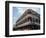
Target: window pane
x: 33, y: 19
x: 37, y: 20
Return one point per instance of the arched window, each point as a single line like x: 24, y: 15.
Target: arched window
x: 30, y: 19
x: 33, y: 20
x: 37, y: 20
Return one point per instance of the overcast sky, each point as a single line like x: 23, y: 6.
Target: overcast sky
x: 18, y: 11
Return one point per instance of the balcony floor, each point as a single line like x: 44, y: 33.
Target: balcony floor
x: 28, y: 27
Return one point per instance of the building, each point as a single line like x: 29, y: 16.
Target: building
x: 30, y: 20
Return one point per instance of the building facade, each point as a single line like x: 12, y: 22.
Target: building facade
x: 30, y: 20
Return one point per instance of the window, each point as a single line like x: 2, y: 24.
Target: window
x: 37, y: 20
x: 33, y: 19
x: 30, y: 18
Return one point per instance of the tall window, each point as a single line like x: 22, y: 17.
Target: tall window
x: 30, y: 19
x: 37, y: 20
x: 33, y: 20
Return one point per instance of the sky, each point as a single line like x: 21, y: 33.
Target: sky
x: 18, y: 11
